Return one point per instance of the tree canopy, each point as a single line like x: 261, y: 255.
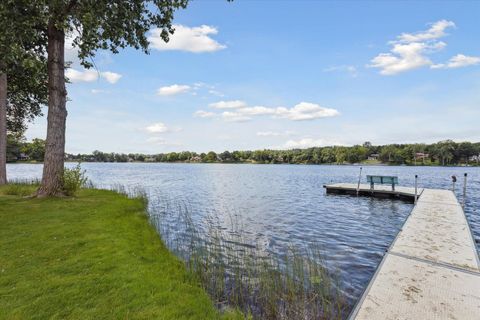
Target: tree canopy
x: 23, y: 88
x: 27, y: 92
x: 93, y: 25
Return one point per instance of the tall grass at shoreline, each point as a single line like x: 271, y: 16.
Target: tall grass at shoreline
x: 295, y: 284
x: 21, y: 187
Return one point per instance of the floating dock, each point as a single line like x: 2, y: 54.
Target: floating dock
x: 380, y: 191
x: 432, y: 268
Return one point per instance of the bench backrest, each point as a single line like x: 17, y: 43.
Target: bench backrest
x: 382, y: 179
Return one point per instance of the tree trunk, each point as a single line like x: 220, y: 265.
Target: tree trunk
x: 52, y: 179
x: 3, y: 128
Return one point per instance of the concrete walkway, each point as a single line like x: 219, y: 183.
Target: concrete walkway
x: 431, y: 271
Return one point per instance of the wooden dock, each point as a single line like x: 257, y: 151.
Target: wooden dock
x: 432, y: 268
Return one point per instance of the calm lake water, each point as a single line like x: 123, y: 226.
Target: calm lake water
x: 282, y: 205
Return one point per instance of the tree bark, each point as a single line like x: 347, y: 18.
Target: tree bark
x: 52, y: 179
x: 3, y: 128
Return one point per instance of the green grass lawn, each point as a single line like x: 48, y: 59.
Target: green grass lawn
x: 94, y: 256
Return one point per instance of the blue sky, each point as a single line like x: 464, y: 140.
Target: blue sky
x: 285, y: 74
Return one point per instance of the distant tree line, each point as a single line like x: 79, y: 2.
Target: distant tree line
x: 443, y: 153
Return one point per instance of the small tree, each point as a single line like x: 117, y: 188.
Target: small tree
x: 35, y: 150
x: 210, y: 157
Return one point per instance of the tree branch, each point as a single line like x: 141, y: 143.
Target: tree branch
x: 69, y: 7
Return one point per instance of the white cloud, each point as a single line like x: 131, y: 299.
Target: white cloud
x: 352, y: 70
x: 436, y: 31
x: 256, y: 111
x: 210, y: 89
x: 234, y: 117
x: 268, y: 134
x: 98, y: 91
x: 458, y: 61
x: 204, y: 114
x: 81, y: 76
x: 111, y: 77
x: 162, y: 141
x: 158, y: 127
x: 201, y: 85
x: 216, y: 93
x: 403, y: 57
x: 232, y: 104
x: 172, y: 90
x: 88, y: 75
x: 307, y: 143
x: 306, y: 111
x: 157, y: 140
x: 411, y: 51
x: 196, y: 39
x: 274, y: 134
x: 194, y: 89
x: 302, y: 111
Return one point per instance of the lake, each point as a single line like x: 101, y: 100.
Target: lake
x: 277, y: 206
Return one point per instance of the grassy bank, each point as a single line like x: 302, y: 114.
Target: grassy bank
x: 94, y: 256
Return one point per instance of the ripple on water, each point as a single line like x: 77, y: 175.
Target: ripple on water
x: 279, y: 205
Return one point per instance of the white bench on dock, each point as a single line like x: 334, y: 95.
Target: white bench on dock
x: 431, y: 270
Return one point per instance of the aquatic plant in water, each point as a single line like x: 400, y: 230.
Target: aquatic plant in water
x: 295, y: 284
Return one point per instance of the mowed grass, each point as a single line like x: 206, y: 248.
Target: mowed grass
x: 93, y: 256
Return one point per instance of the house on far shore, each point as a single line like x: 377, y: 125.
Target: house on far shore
x: 196, y: 159
x: 475, y: 158
x: 373, y: 157
x: 23, y: 157
x: 421, y: 156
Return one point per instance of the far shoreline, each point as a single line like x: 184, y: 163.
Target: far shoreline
x: 262, y: 163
